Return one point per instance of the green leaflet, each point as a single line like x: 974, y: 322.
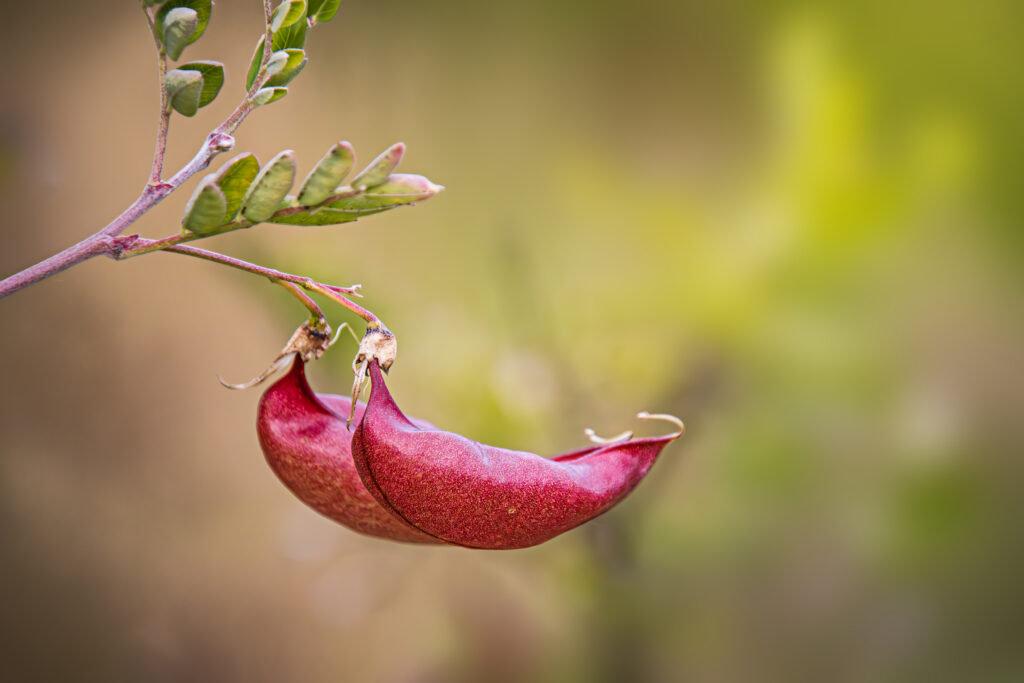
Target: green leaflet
x: 202, y: 8
x: 213, y: 78
x: 294, y: 62
x: 287, y: 13
x: 323, y: 216
x: 184, y: 89
x: 321, y: 182
x: 323, y: 10
x: 380, y: 168
x: 179, y: 25
x: 398, y: 190
x: 234, y: 180
x: 270, y: 188
x: 268, y: 95
x: 204, y: 212
x: 292, y: 36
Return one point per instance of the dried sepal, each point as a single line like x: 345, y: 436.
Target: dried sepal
x: 378, y: 344
x: 309, y: 342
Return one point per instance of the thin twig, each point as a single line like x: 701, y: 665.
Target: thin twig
x: 310, y: 305
x: 268, y: 273
x: 103, y: 241
x: 236, y: 117
x: 334, y: 293
x: 339, y: 299
x: 165, y: 110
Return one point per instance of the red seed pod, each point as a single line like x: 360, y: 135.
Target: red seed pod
x: 469, y: 494
x: 306, y: 443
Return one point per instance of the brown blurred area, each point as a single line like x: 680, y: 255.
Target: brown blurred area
x: 795, y: 225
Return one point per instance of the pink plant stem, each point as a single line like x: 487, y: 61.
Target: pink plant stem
x: 332, y: 292
x: 103, y: 242
x: 339, y: 299
x: 164, y: 120
x: 310, y: 305
x: 269, y: 273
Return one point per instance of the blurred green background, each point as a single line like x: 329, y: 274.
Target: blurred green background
x: 797, y: 225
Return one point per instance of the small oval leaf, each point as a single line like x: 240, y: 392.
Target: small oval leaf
x: 213, y: 79
x: 286, y: 40
x: 204, y: 212
x: 287, y: 13
x: 321, y: 217
x: 234, y: 180
x: 380, y: 168
x: 179, y: 25
x: 321, y: 11
x: 184, y: 88
x: 254, y: 63
x: 296, y: 61
x: 277, y: 62
x: 397, y: 189
x: 403, y: 188
x: 268, y: 95
x: 202, y: 8
x: 290, y: 36
x: 327, y: 175
x: 270, y: 187
x: 400, y: 189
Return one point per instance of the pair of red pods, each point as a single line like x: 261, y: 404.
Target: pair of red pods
x: 404, y: 479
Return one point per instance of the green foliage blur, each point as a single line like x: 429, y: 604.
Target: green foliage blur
x: 795, y: 225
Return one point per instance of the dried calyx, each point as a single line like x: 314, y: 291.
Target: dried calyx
x: 307, y: 343
x: 378, y: 344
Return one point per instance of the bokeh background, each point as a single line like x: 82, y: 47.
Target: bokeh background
x: 797, y: 225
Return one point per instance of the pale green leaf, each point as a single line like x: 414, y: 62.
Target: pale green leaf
x: 201, y: 7
x: 323, y: 10
x: 234, y: 180
x: 327, y: 175
x: 268, y: 95
x: 204, y: 212
x: 380, y: 168
x: 184, y: 88
x: 294, y: 63
x: 290, y: 36
x: 254, y: 63
x: 270, y: 187
x: 179, y: 25
x: 277, y: 62
x: 213, y: 78
x: 287, y: 13
x: 399, y: 189
x: 321, y: 216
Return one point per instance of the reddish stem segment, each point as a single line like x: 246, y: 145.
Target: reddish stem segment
x: 164, y: 119
x: 101, y: 242
x: 270, y: 273
x: 310, y: 305
x: 332, y: 292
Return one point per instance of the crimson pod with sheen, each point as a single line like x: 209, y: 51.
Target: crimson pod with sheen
x: 305, y: 440
x: 466, y: 493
